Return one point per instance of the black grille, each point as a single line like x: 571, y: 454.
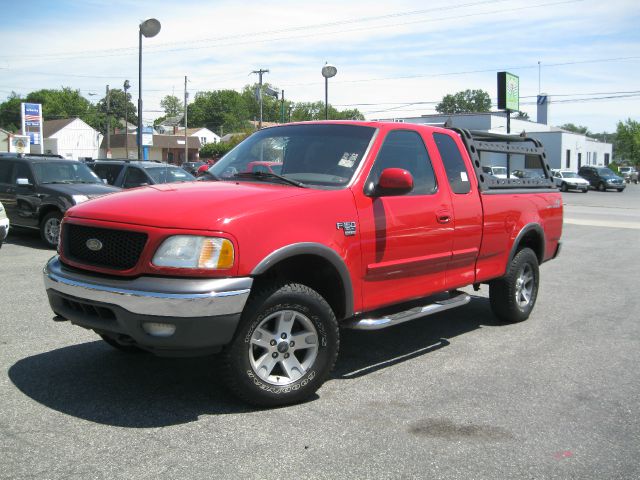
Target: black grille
x: 93, y: 311
x: 120, y: 249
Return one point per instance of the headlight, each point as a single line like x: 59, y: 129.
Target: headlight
x: 189, y: 251
x: 79, y: 198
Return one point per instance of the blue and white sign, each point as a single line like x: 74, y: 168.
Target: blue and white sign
x: 32, y: 122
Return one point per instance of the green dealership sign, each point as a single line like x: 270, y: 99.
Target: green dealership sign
x: 508, y: 91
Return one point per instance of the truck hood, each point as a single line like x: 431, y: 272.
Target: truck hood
x: 189, y: 205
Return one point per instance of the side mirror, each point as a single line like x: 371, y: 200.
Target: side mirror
x: 22, y: 181
x: 394, y: 181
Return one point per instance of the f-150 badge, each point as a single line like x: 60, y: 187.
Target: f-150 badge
x: 349, y: 228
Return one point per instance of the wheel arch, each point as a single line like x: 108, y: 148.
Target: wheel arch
x: 46, y: 209
x: 530, y: 236
x: 315, y: 265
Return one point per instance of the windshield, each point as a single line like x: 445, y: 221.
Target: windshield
x: 64, y: 172
x: 169, y: 174
x: 605, y: 172
x: 315, y: 154
x: 570, y: 175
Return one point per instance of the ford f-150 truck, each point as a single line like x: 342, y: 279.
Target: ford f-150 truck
x: 365, y: 225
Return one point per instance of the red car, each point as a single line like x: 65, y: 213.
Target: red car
x: 363, y: 225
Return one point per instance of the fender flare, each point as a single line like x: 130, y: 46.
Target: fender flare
x: 319, y: 250
x: 529, y: 227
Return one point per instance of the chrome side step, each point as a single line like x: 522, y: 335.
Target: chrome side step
x: 457, y: 299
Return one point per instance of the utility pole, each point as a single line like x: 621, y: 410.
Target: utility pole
x: 282, y: 108
x: 260, y: 73
x: 186, y: 145
x: 108, y: 98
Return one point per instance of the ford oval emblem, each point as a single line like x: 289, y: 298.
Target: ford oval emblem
x: 94, y: 244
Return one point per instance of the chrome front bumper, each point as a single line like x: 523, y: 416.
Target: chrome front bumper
x: 155, y: 296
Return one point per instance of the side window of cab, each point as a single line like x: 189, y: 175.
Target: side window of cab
x: 405, y: 149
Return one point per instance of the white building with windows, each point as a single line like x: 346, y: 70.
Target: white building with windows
x: 565, y: 150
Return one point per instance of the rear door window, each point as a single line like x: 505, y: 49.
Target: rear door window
x: 457, y: 173
x: 5, y: 171
x: 135, y: 177
x: 108, y: 172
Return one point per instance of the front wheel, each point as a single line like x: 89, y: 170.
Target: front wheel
x: 621, y: 189
x: 601, y: 187
x: 513, y: 296
x: 563, y: 187
x: 50, y: 228
x: 285, y: 346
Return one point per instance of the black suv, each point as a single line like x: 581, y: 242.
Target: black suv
x: 601, y: 178
x: 131, y: 173
x: 37, y: 190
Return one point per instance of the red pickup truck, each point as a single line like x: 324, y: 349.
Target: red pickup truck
x: 365, y: 225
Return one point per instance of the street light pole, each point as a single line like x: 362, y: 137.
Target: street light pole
x: 328, y: 71
x: 149, y: 28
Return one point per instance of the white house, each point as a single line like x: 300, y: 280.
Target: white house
x: 72, y: 138
x: 203, y: 134
x: 564, y: 149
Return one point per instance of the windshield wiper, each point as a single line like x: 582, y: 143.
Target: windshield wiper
x: 269, y: 175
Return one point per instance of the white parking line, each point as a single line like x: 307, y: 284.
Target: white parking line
x: 602, y: 223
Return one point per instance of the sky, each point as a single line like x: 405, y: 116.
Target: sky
x: 394, y: 59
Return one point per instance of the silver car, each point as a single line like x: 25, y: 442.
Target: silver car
x: 568, y: 180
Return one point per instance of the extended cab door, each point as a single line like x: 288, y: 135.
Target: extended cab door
x: 467, y: 209
x: 406, y: 239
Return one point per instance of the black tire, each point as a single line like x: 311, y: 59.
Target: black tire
x: 123, y: 347
x: 256, y: 364
x: 507, y: 295
x: 602, y: 187
x: 50, y: 228
x: 621, y: 189
x: 563, y: 187
x: 585, y: 190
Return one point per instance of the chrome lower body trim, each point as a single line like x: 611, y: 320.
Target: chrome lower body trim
x: 457, y: 299
x: 159, y: 296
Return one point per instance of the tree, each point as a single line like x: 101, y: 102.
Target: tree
x: 10, y: 113
x: 304, y: 111
x: 220, y: 109
x: 118, y: 103
x: 63, y: 103
x: 468, y: 101
x: 576, y: 128
x: 270, y: 105
x: 627, y: 142
x: 521, y: 115
x: 172, y: 106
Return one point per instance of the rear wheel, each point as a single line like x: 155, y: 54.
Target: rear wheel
x: 285, y: 346
x: 50, y: 228
x: 513, y: 296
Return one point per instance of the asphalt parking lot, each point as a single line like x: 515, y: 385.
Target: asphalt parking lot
x: 452, y: 396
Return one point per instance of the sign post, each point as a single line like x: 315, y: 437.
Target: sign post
x: 508, y: 100
x: 32, y: 124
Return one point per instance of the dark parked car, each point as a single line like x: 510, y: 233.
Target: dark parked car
x: 192, y: 167
x: 37, y: 190
x: 129, y: 174
x: 601, y: 178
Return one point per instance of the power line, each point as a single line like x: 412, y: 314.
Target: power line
x: 254, y: 34
x: 254, y: 40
